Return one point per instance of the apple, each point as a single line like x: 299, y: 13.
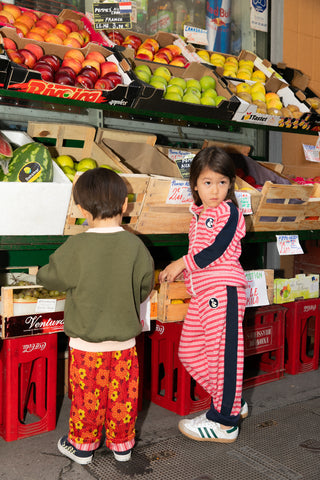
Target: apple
x: 15, y: 56
x: 143, y: 56
x: 115, y: 77
x: 9, y: 44
x: 28, y: 21
x: 72, y: 63
x: 8, y: 17
x: 204, y: 55
x: 13, y: 9
x: 34, y: 36
x: 64, y: 78
x: 153, y: 43
x: 163, y: 72
x: 53, y: 60
x: 46, y: 71
x: 191, y: 98
x: 175, y: 50
x: 143, y: 76
x: 158, y: 83
x: 34, y: 48
x: 108, y: 66
x: 77, y: 36
x: 92, y: 63
x: 116, y: 37
x: 63, y: 27
x: 43, y: 24
x: 71, y: 42
x: 71, y: 24
x: 173, y: 96
x: 65, y: 161
x: 91, y: 72
x: 86, y: 35
x: 210, y: 92
x: 179, y: 62
x: 159, y: 78
x: 206, y: 100
x: 31, y: 14
x: 53, y: 38
x: 175, y: 89
x: 95, y: 55
x: 49, y: 18
x: 29, y: 57
x: 85, y: 81
x: 86, y: 163
x: 3, y: 20
x: 144, y: 51
x: 178, y: 81
x: 207, y: 82
x: 104, y: 84
x: 219, y: 99
x: 21, y: 27
x: 192, y: 82
x: 74, y: 53
x: 143, y: 67
x: 192, y: 90
x: 69, y: 172
x: 161, y: 57
x: 165, y: 51
x: 132, y: 40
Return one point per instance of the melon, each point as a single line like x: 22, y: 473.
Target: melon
x: 5, y: 155
x: 30, y: 163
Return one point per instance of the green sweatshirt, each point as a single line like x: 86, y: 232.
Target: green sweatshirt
x: 106, y: 277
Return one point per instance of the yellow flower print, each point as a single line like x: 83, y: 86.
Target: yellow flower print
x: 127, y: 419
x: 99, y: 362
x: 78, y: 440
x: 129, y: 363
x: 79, y: 425
x: 95, y: 432
x: 81, y: 413
x: 129, y: 406
x: 127, y: 376
x: 82, y: 385
x: 97, y: 392
x: 97, y: 405
x: 82, y: 373
x: 114, y: 396
x: 112, y: 425
x: 117, y: 355
x: 115, y: 383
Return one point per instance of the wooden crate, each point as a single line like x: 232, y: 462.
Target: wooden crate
x: 168, y: 308
x: 81, y: 137
x: 136, y: 185
x: 159, y: 216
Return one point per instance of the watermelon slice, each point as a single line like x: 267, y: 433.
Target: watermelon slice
x: 5, y: 153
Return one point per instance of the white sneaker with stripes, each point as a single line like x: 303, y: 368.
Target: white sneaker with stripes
x: 204, y: 430
x: 244, y: 412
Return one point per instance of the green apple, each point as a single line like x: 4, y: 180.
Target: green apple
x: 192, y: 82
x: 86, y: 164
x: 65, y: 161
x: 205, y: 100
x: 211, y: 92
x: 193, y: 90
x: 143, y: 75
x: 220, y: 98
x: 157, y: 84
x: 131, y: 197
x: 207, y: 82
x: 175, y: 89
x: 173, y: 96
x: 163, y: 72
x: 69, y: 172
x: 143, y: 68
x: 178, y: 81
x: 104, y: 165
x: 191, y: 98
x: 158, y: 78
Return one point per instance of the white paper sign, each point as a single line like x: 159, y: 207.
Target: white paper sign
x: 46, y: 305
x: 259, y: 15
x: 145, y: 309
x: 244, y: 201
x: 256, y: 291
x: 311, y: 153
x: 195, y: 35
x: 179, y: 192
x: 288, y: 245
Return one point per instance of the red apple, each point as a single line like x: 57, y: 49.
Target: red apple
x: 143, y: 56
x: 49, y: 18
x: 31, y: 14
x: 53, y: 60
x: 93, y: 63
x: 166, y: 51
x: 72, y: 25
x: 63, y: 78
x: 35, y: 36
x: 86, y: 35
x: 104, y: 84
x: 66, y: 71
x: 34, y: 48
x: 84, y: 81
x: 4, y: 20
x: 133, y: 40
x: 72, y: 63
x: 116, y: 37
x: 22, y: 27
x: 14, y: 10
x: 115, y: 77
x: 9, y: 44
x: 107, y: 67
x: 91, y: 72
x: 46, y: 71
x: 74, y: 53
x: 15, y: 56
x: 180, y: 60
x: 95, y: 55
x: 29, y: 57
x: 44, y: 24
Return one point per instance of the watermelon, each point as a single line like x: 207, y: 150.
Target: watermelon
x: 5, y: 154
x: 30, y: 163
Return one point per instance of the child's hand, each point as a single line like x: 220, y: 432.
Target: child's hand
x: 172, y: 270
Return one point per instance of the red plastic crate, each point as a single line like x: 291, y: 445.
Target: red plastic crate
x: 302, y: 336
x: 171, y: 385
x: 28, y: 383
x: 263, y: 344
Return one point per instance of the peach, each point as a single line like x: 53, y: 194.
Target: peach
x: 64, y: 28
x: 71, y: 42
x: 94, y: 55
x: 22, y: 27
x: 59, y: 33
x: 35, y: 36
x: 77, y: 36
x: 93, y: 63
x: 72, y: 25
x: 40, y: 30
x: 49, y: 18
x: 43, y: 24
x: 73, y: 53
x: 13, y: 9
x: 27, y: 20
x: 9, y: 44
x: 34, y: 48
x: 10, y: 18
x: 53, y: 38
x: 72, y: 63
x: 107, y: 67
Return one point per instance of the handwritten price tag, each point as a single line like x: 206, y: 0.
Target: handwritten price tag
x: 256, y: 291
x: 179, y: 192
x: 244, y: 201
x: 288, y: 245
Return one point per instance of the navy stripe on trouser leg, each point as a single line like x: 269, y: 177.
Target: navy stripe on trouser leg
x: 230, y: 363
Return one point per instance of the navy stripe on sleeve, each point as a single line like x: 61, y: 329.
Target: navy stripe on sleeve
x: 222, y: 241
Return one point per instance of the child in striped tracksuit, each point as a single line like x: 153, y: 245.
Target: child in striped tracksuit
x: 211, y: 345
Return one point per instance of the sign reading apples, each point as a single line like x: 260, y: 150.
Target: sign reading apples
x: 112, y: 15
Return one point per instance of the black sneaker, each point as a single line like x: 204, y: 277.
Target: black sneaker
x: 80, y: 456
x: 122, y: 456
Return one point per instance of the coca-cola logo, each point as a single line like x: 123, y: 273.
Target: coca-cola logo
x: 309, y: 308
x: 159, y: 329
x: 31, y: 347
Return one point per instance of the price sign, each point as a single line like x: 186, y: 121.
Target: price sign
x: 183, y: 160
x: 112, y: 15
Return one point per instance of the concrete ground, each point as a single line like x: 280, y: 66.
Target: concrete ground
x: 163, y: 453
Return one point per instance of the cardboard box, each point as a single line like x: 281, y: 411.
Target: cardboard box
x: 30, y: 81
x: 33, y: 208
x: 301, y: 286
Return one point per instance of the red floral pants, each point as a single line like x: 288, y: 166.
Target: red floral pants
x: 104, y: 394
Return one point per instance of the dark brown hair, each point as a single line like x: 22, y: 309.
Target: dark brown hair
x: 219, y: 161
x: 100, y: 191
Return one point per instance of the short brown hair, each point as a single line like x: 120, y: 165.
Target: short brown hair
x: 100, y: 191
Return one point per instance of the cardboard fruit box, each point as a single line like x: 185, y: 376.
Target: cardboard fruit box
x: 151, y: 98
x: 37, y: 208
x: 26, y: 80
